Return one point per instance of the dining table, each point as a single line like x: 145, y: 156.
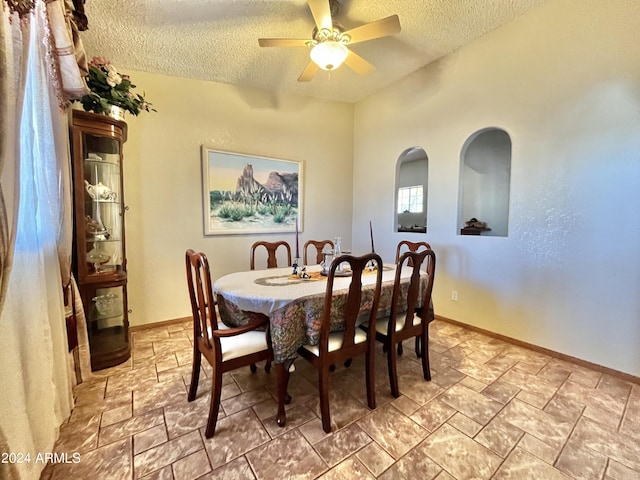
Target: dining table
x: 294, y: 303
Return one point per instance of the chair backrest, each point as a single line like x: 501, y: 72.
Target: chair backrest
x: 411, y: 247
x: 425, y: 259
x: 205, y: 317
x: 356, y: 297
x: 272, y: 247
x: 319, y: 245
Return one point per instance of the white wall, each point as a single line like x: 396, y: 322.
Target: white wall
x: 564, y: 82
x: 162, y: 178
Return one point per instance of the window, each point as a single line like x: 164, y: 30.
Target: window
x: 410, y: 199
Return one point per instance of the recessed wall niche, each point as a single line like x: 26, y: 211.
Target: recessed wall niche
x: 412, y: 178
x: 485, y: 179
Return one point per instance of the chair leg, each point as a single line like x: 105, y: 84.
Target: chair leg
x: 393, y: 373
x: 214, y: 405
x: 253, y: 368
x: 400, y: 349
x: 323, y: 384
x: 370, y: 378
x: 418, y: 350
x: 347, y: 363
x: 424, y: 343
x: 267, y: 366
x: 195, y: 373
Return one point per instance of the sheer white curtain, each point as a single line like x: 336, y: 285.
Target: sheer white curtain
x: 34, y: 382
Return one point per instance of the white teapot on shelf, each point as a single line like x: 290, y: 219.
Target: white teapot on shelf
x: 100, y: 192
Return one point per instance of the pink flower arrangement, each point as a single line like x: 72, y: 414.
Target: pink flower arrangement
x: 109, y: 87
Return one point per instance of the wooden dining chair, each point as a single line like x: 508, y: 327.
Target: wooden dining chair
x: 272, y: 249
x: 413, y: 321
x: 338, y: 346
x: 411, y: 247
x: 319, y: 245
x: 224, y: 348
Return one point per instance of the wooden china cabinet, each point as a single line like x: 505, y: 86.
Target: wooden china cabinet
x: 99, y: 260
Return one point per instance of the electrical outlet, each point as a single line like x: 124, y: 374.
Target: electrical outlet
x: 454, y: 295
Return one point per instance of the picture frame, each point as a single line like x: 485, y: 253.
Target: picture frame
x: 250, y: 194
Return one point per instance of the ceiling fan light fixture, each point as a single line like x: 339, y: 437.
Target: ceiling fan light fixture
x: 329, y: 54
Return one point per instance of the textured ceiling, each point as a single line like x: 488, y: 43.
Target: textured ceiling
x: 217, y: 40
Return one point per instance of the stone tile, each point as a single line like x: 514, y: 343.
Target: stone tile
x: 235, y: 435
x: 537, y: 447
x: 375, y: 458
x: 564, y: 408
x: 192, y: 466
x: 600, y: 405
x: 447, y: 446
x: 131, y: 426
x: 313, y: 432
x: 158, y: 395
x: 343, y: 408
x: 289, y: 453
x: 631, y: 420
x: 244, y: 400
x: 163, y: 474
x: 183, y: 417
x: 79, y: 436
x: 393, y: 431
x: 433, y: 414
x: 464, y: 424
x: 499, y: 436
x: 536, y: 422
x: 237, y: 469
x: 110, y: 461
x: 166, y: 453
x: 349, y: 469
x: 149, y: 438
x: 580, y: 462
x: 474, y: 405
x: 551, y: 417
x: 296, y: 416
x: 130, y: 380
x: 599, y: 438
x: 501, y: 391
x: 521, y: 465
x: 342, y: 444
x: 447, y: 378
x: 617, y: 471
x: 473, y: 384
x: 405, y: 405
x: 115, y: 415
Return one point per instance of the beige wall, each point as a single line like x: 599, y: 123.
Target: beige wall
x: 564, y: 82
x: 163, y: 178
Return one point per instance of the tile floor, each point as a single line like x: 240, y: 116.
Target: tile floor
x: 492, y: 410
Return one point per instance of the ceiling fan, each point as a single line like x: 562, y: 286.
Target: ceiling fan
x: 329, y: 41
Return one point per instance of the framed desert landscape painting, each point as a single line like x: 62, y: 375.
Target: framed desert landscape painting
x: 244, y: 194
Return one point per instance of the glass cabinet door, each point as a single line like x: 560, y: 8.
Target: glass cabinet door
x: 102, y: 205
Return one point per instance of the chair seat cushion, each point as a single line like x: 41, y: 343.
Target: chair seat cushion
x: 335, y: 341
x: 382, y: 323
x: 243, y: 344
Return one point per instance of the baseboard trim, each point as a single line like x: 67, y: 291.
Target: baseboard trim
x: 164, y: 323
x: 583, y: 363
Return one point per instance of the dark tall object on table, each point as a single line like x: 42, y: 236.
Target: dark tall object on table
x: 99, y: 255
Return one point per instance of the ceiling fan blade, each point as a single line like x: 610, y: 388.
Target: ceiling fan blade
x: 283, y: 42
x: 379, y: 28
x: 358, y: 64
x: 321, y: 11
x: 309, y: 72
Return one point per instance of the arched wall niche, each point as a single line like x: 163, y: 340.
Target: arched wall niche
x: 411, y: 187
x: 485, y: 182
